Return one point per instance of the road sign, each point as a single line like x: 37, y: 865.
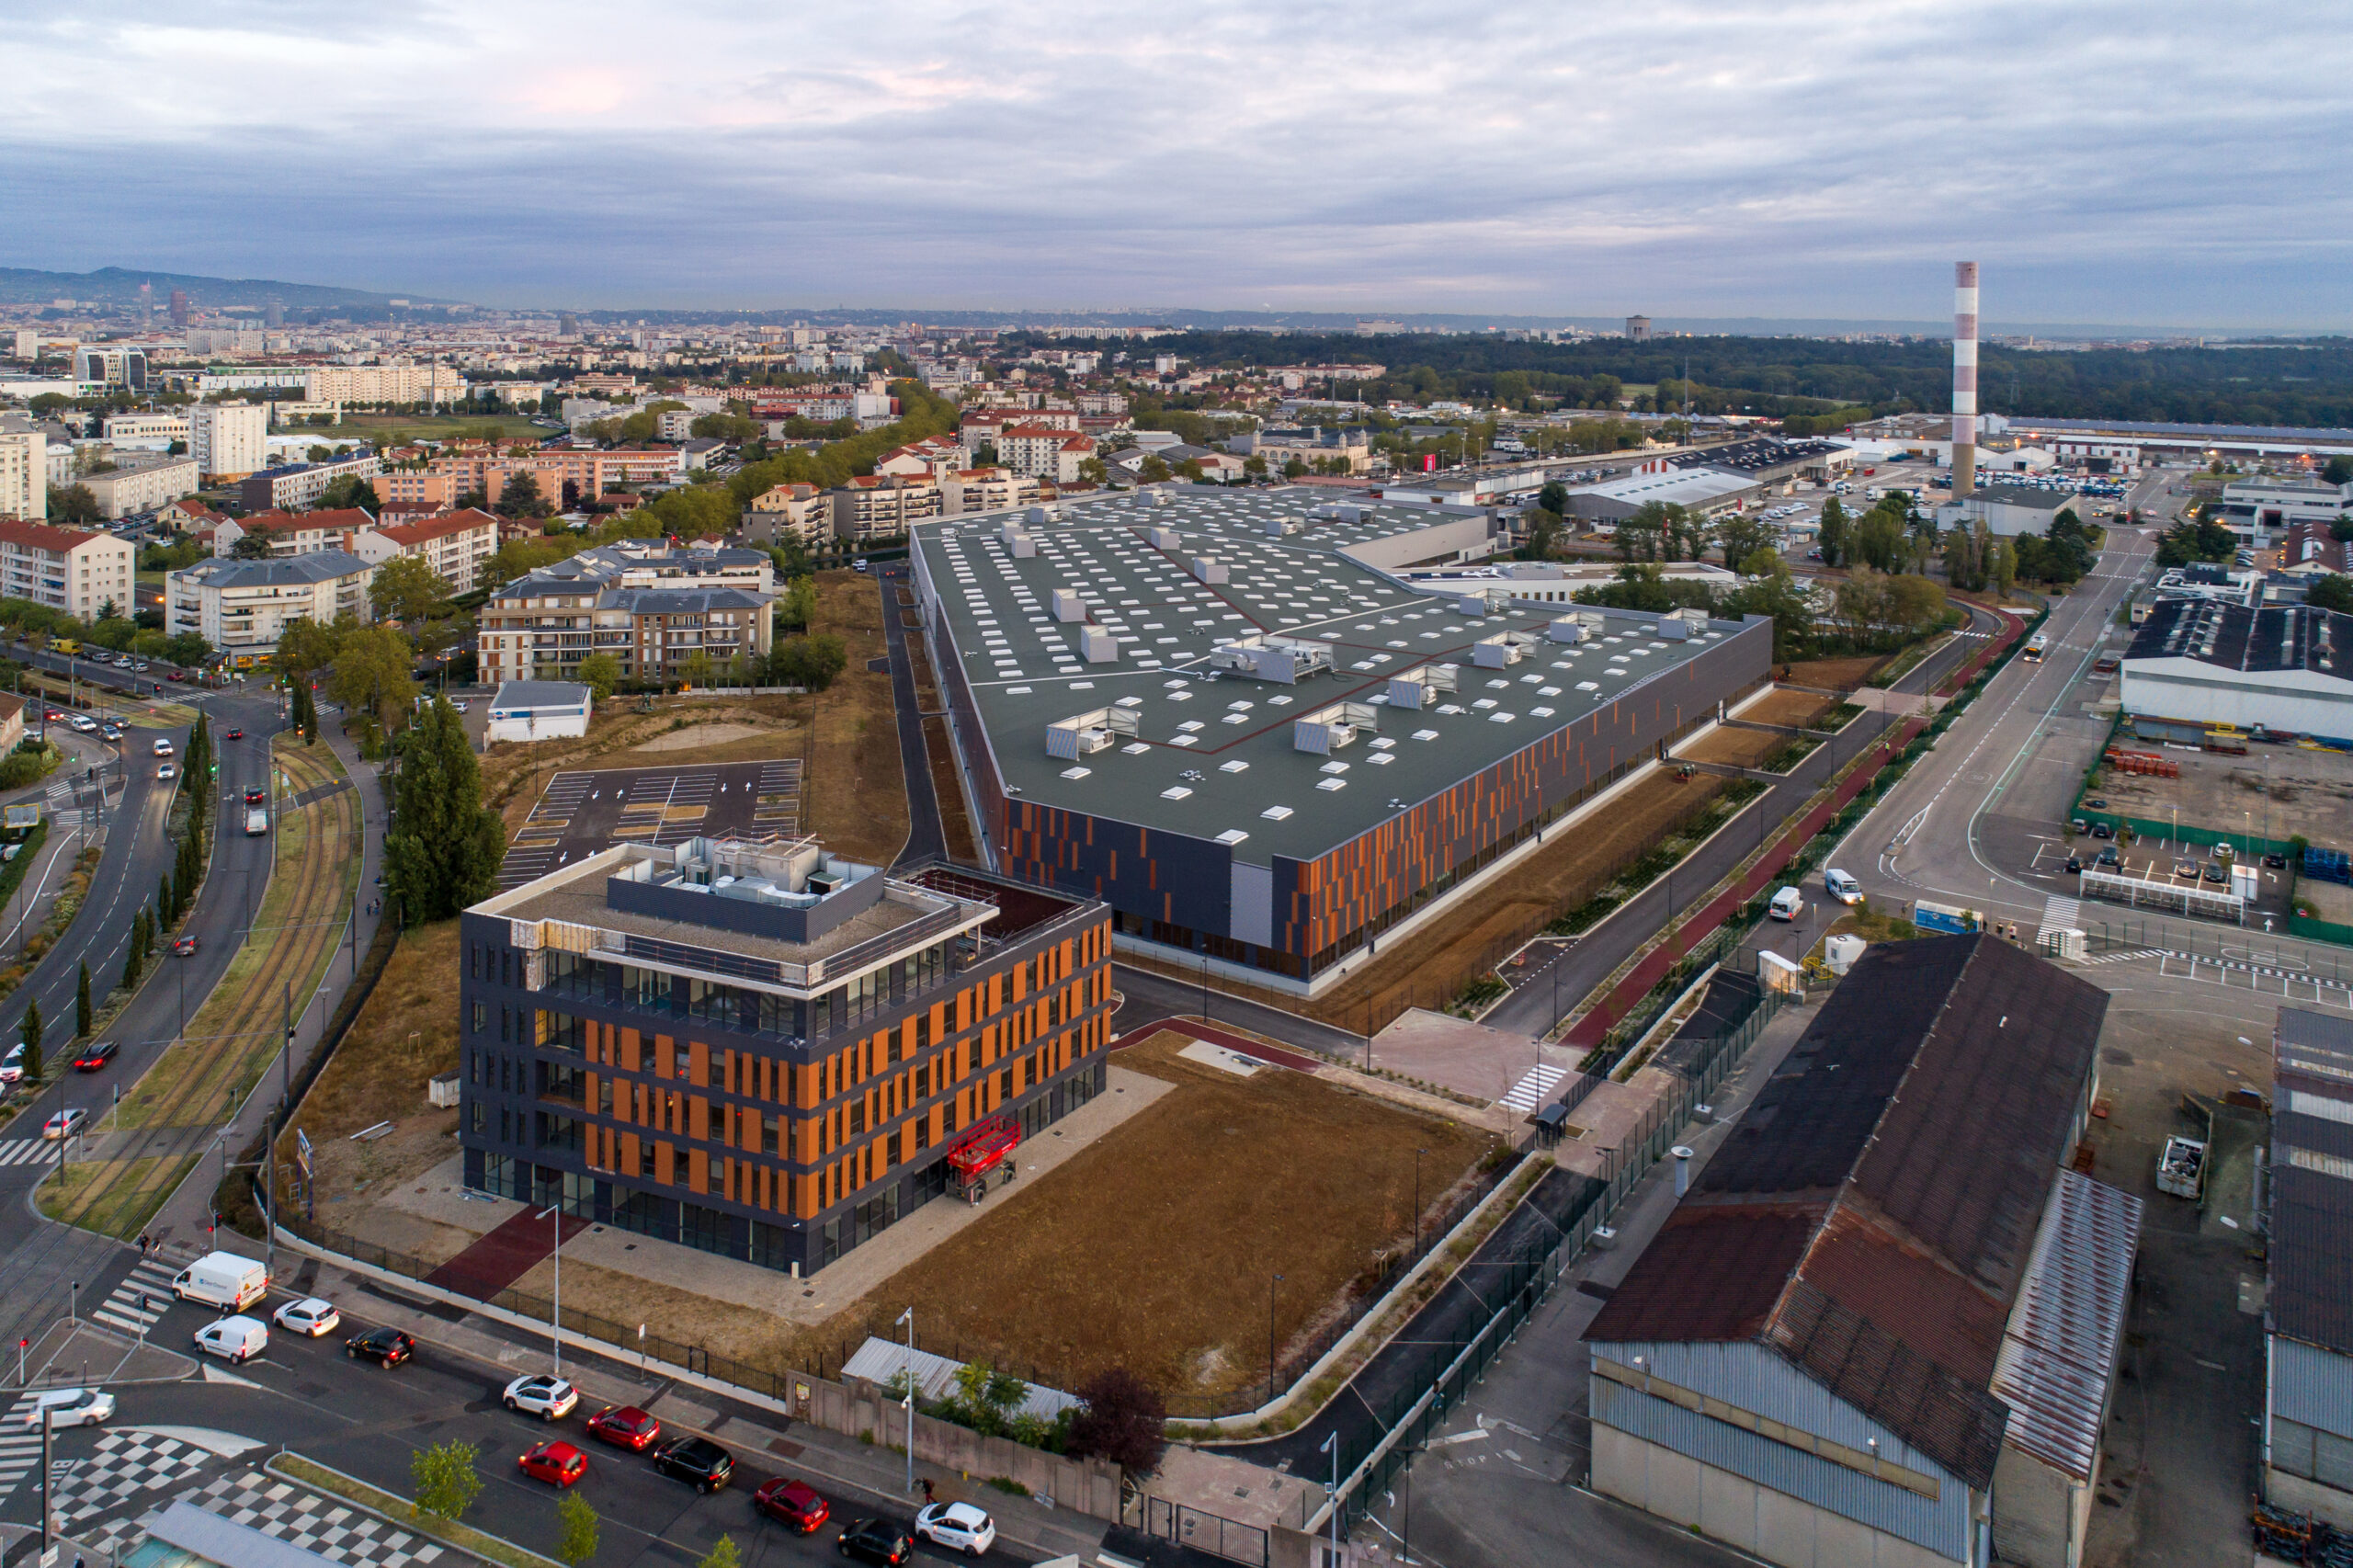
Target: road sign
x: 302, y: 1152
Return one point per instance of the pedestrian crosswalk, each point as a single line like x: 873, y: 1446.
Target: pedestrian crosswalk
x: 1534, y: 1086
x: 2059, y: 915
x: 19, y: 1445
x: 142, y: 1297
x: 26, y: 1151
x: 2127, y: 957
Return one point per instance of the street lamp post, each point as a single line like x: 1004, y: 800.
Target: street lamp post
x: 555, y: 1321
x: 1332, y: 1446
x: 907, y: 1391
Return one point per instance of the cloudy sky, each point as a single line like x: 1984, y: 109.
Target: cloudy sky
x: 2157, y: 162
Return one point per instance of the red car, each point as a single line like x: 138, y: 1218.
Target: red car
x: 55, y: 717
x: 558, y: 1464
x: 624, y: 1426
x: 235, y: 734
x: 792, y: 1502
x: 176, y: 676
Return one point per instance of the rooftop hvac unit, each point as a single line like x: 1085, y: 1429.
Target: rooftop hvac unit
x: 1023, y: 545
x: 1097, y: 646
x: 1671, y: 630
x: 1278, y: 527
x: 1036, y: 517
x: 1502, y: 650
x: 1568, y: 629
x: 1285, y: 661
x: 1009, y: 532
x: 1084, y: 733
x: 1327, y: 729
x: 1068, y: 606
x: 1160, y: 498
x: 1161, y: 538
x: 1482, y: 603
x: 1420, y: 687
x: 1208, y: 570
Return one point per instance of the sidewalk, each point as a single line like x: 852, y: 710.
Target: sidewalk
x: 187, y: 1214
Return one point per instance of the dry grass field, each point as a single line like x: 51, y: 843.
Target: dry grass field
x: 1738, y: 748
x: 1784, y: 707
x: 1835, y: 674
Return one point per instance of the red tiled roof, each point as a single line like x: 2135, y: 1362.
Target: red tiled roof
x: 43, y: 535
x: 467, y: 521
x: 337, y: 520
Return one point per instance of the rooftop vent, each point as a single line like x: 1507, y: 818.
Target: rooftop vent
x: 1208, y: 570
x: 1502, y: 650
x: 1285, y: 661
x: 1083, y: 734
x: 1420, y: 687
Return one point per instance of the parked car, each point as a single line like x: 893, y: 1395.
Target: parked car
x: 2277, y: 862
x: 958, y: 1527
x: 310, y: 1317
x: 385, y: 1346
x: 2109, y: 857
x: 12, y: 1064
x: 71, y: 1407
x: 624, y: 1426
x: 2101, y: 830
x: 94, y: 1055
x: 793, y: 1504
x: 2218, y: 872
x: 549, y: 1398
x: 2185, y: 867
x: 2074, y: 863
x: 697, y: 1460
x: 66, y: 1123
x: 878, y: 1541
x: 558, y: 1464
x: 233, y: 1339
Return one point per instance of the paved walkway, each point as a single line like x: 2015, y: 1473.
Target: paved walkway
x: 926, y: 837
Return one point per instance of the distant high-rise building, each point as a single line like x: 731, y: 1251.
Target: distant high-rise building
x: 179, y: 307
x: 567, y: 324
x: 273, y: 315
x: 1639, y: 328
x: 147, y: 305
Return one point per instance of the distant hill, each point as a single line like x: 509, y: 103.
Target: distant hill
x: 117, y: 286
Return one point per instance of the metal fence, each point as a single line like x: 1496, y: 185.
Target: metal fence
x: 2279, y: 954
x: 1206, y: 1532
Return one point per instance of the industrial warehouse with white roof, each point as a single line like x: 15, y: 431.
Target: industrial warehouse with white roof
x: 1230, y: 717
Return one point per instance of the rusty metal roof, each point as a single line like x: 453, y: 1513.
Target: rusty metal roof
x: 2059, y: 1348
x: 1914, y: 1132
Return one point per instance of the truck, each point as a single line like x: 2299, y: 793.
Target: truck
x: 222, y: 1279
x: 256, y: 821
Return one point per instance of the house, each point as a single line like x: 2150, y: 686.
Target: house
x: 1883, y: 1326
x: 187, y: 515
x: 12, y: 723
x: 539, y: 710
x: 457, y: 545
x: 935, y: 457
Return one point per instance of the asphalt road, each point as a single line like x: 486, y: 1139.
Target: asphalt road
x: 926, y: 837
x: 310, y: 1397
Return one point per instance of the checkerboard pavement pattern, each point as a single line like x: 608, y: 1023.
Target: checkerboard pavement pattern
x: 299, y: 1518
x: 123, y: 1465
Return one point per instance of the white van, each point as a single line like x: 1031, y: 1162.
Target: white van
x: 233, y: 1339
x: 1788, y: 904
x: 1842, y: 887
x: 222, y: 1279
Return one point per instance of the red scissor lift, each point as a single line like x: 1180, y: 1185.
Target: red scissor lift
x: 985, y: 1147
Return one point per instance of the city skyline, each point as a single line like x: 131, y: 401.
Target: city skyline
x: 1696, y: 163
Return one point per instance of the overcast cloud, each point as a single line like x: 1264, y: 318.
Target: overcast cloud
x: 2150, y: 163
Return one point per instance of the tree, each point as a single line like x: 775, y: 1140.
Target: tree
x: 1743, y: 534
x: 1124, y: 1420
x: 697, y: 669
x: 29, y: 1033
x: 600, y: 672
x: 1153, y: 468
x: 2340, y: 470
x: 1834, y: 532
x: 726, y: 1554
x: 811, y: 662
x: 445, y: 848
x: 82, y: 1003
x: 372, y: 672
x: 406, y: 588
x: 799, y: 606
x: 2332, y: 591
x: 73, y: 504
x: 446, y: 1480
x: 1554, y: 498
x: 1543, y: 534
x: 252, y: 544
x: 577, y: 1531
x: 350, y: 490
x: 134, y: 957
x: 520, y: 497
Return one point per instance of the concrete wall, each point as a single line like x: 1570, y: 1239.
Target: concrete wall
x: 2039, y: 1512
x: 1087, y: 1486
x: 2284, y: 1491
x: 1740, y: 1513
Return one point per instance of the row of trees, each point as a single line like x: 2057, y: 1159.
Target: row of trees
x: 111, y: 631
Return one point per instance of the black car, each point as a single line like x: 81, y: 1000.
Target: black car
x: 2101, y: 830
x: 2217, y: 871
x: 2277, y: 862
x: 878, y: 1541
x: 385, y: 1346
x: 93, y: 1056
x: 2111, y: 857
x: 696, y: 1459
x: 2074, y: 862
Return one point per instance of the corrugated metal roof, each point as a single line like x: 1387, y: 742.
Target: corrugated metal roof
x: 2311, y: 1295
x: 2059, y: 1350
x: 880, y: 1360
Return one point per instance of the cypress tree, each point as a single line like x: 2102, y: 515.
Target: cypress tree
x: 82, y: 1003
x: 445, y: 851
x: 135, y: 958
x: 164, y: 907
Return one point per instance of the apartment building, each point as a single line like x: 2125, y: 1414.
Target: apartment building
x: 1309, y: 444
x: 242, y: 606
x: 457, y: 545
x: 1043, y: 451
x: 985, y: 490
x: 299, y: 485
x: 73, y: 570
x: 24, y: 469
x: 882, y: 506
x: 761, y: 1049
x: 119, y: 428
x: 141, y: 483
x: 383, y: 383
x: 653, y: 609
x: 986, y: 428
x: 565, y: 477
x: 801, y: 513
x: 295, y: 533
x: 936, y: 457
x: 229, y: 440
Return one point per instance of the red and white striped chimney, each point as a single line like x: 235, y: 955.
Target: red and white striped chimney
x: 1964, y: 378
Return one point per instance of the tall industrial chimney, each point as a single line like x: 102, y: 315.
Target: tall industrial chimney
x: 1964, y: 378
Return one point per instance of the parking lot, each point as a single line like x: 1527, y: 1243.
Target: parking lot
x: 2160, y: 860
x: 580, y: 813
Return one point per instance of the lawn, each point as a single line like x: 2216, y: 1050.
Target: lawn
x: 1155, y: 1247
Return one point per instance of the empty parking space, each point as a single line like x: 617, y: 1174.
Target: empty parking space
x: 580, y: 813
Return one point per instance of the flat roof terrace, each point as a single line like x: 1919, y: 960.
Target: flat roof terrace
x: 1211, y: 753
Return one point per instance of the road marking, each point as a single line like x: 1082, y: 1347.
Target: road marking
x: 1533, y: 1085
x: 19, y: 1445
x: 150, y: 1278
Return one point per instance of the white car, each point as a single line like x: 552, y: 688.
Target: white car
x: 64, y: 1124
x: 233, y: 1339
x: 312, y: 1317
x: 165, y: 770
x: 549, y: 1398
x: 163, y: 746
x: 71, y: 1407
x: 959, y: 1527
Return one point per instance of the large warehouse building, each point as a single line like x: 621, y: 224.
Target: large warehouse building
x: 2308, y: 1310
x: 1229, y: 717
x: 1884, y: 1328
x: 2204, y: 661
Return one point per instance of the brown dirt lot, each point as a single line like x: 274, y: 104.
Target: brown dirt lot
x: 1740, y: 748
x: 1782, y: 707
x: 1835, y: 674
x: 1154, y: 1247
x: 1435, y: 962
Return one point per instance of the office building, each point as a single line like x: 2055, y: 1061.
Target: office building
x: 298, y: 485
x: 141, y: 481
x: 241, y: 607
x: 113, y: 366
x: 72, y: 570
x: 1883, y: 1327
x: 762, y: 1051
x: 1230, y: 717
x: 121, y: 429
x: 229, y: 440
x: 2308, y: 1307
